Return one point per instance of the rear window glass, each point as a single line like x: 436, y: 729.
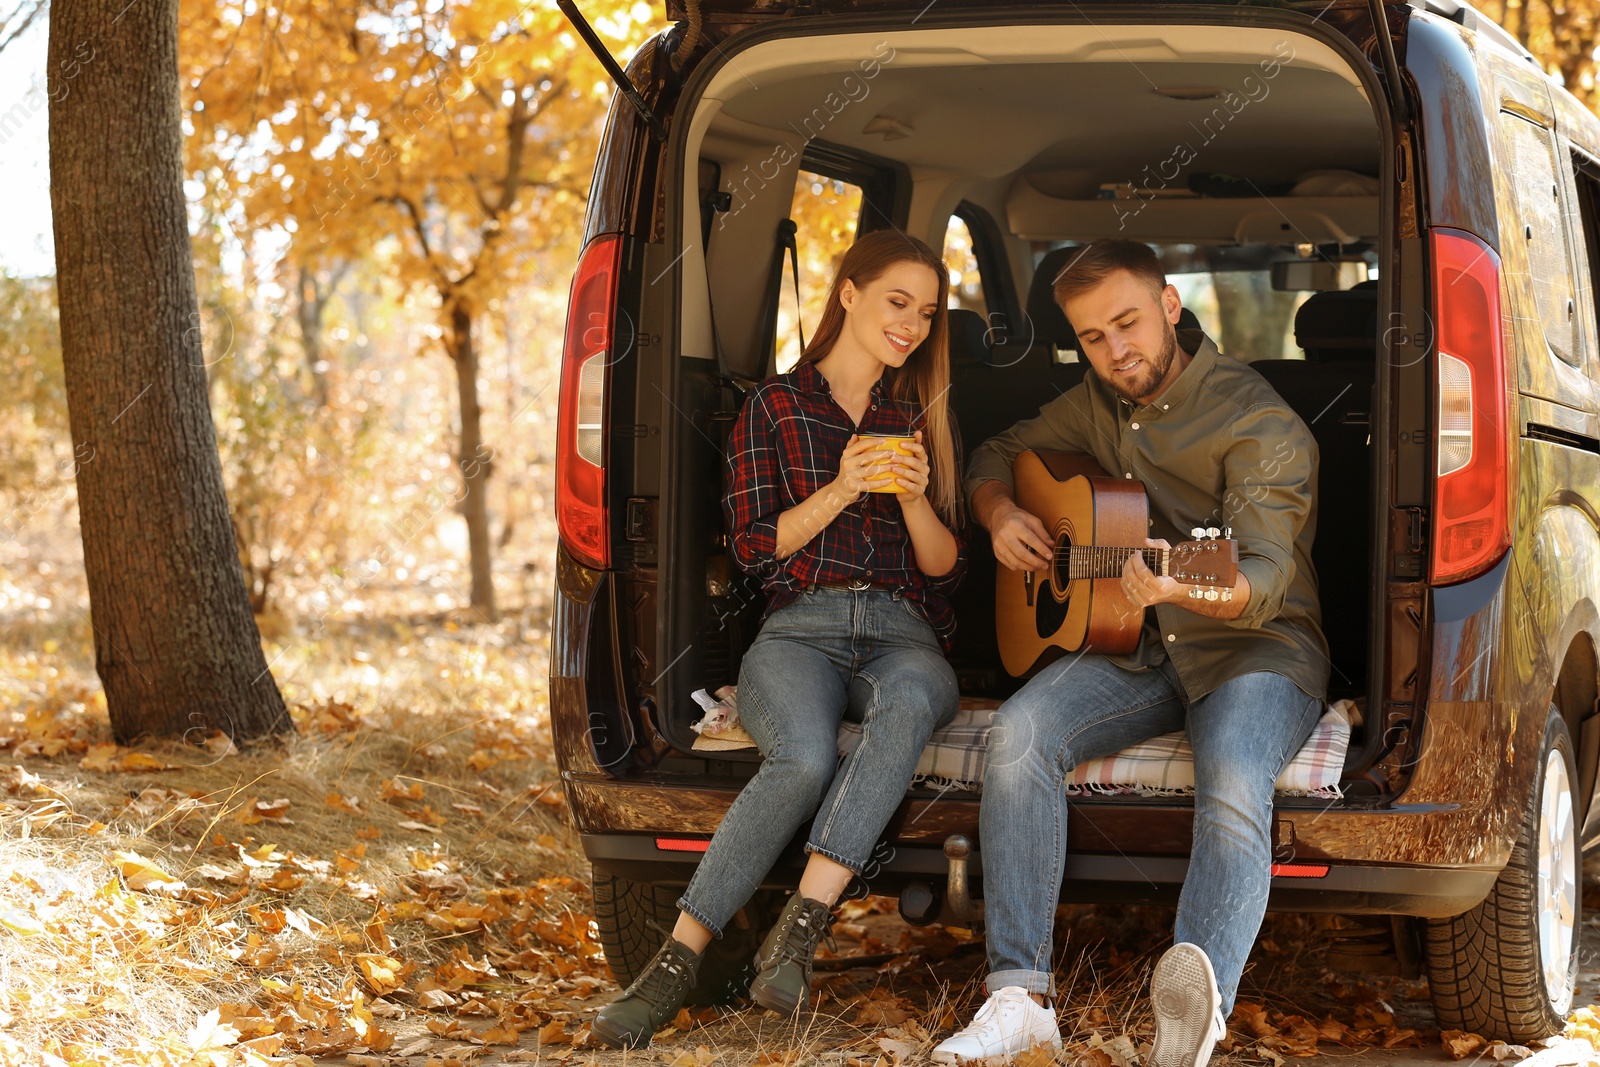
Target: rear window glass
x: 825, y: 212
x: 1238, y: 308
x: 1229, y: 289
x: 966, y: 281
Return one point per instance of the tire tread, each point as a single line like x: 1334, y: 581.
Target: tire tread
x: 1484, y: 970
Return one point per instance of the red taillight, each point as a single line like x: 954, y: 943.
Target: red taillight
x: 1299, y: 870
x: 1472, y: 449
x: 683, y: 844
x: 581, y: 424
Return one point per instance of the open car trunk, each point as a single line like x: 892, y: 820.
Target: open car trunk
x: 1246, y: 145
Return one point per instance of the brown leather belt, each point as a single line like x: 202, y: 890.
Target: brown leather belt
x: 857, y: 585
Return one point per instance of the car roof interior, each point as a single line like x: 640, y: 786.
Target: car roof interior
x: 1027, y: 123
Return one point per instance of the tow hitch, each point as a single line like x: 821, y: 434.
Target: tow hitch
x: 957, y: 894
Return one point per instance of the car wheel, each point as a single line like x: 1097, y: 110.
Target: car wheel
x: 1507, y: 968
x: 635, y: 918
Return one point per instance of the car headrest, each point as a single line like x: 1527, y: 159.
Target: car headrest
x: 1049, y: 324
x: 1049, y: 321
x: 1338, y: 324
x: 969, y: 340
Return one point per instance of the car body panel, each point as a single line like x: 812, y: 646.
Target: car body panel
x: 1457, y: 735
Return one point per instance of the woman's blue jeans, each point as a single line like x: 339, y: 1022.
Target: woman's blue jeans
x: 832, y: 654
x: 1084, y: 707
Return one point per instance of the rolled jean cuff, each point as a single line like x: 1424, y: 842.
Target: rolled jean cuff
x: 698, y: 916
x: 853, y: 866
x: 1033, y: 981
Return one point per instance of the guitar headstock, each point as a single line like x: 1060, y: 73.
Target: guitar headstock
x: 1209, y: 563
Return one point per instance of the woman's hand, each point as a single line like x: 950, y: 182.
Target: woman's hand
x: 862, y: 467
x: 911, y: 473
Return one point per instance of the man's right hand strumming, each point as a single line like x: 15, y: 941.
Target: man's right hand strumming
x: 1020, y: 541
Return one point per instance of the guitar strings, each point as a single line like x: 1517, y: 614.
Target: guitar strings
x: 1095, y: 558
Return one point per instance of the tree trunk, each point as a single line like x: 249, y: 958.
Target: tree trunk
x: 1255, y: 317
x: 1524, y: 24
x: 475, y: 461
x: 175, y: 644
x: 308, y: 311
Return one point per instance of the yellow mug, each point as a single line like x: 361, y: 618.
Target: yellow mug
x: 890, y: 443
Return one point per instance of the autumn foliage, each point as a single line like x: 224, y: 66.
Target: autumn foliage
x: 370, y: 183
x: 452, y: 144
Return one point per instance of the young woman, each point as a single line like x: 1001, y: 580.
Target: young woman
x: 854, y: 546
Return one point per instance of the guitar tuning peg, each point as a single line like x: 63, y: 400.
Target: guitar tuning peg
x: 1227, y: 531
x: 1212, y: 531
x: 1227, y: 596
x: 1197, y: 533
x: 1211, y: 594
x: 1194, y: 593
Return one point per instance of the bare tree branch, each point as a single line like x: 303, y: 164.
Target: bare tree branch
x: 16, y: 24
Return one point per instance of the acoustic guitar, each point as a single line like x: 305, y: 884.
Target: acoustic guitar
x: 1097, y: 522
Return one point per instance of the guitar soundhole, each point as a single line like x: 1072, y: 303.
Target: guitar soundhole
x: 1048, y: 613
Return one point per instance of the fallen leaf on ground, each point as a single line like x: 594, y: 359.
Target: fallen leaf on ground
x: 503, y: 1034
x: 1253, y: 1018
x: 393, y: 790
x: 1397, y: 1037
x: 1461, y: 1044
x: 19, y: 923
x: 1502, y: 1051
x: 144, y: 876
x: 1121, y: 1049
x: 384, y: 974
x: 220, y: 745
x: 110, y: 758
x: 209, y: 1035
x: 898, y: 1048
x: 341, y: 803
x: 1037, y: 1056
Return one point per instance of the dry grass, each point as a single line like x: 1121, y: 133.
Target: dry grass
x: 411, y: 828
x: 414, y: 816
x: 399, y: 877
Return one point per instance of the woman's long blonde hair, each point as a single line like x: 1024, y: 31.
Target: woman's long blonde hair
x: 924, y: 379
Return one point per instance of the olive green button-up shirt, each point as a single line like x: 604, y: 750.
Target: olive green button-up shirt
x: 1218, y: 448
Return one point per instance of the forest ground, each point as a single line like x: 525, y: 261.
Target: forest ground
x: 399, y: 884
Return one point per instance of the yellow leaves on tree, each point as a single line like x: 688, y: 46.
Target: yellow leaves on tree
x: 454, y: 142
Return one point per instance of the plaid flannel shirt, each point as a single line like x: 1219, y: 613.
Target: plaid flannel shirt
x: 786, y: 446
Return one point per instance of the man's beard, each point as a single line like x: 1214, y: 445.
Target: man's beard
x: 1154, y: 370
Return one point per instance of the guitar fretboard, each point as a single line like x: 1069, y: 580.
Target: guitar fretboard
x: 1107, y: 561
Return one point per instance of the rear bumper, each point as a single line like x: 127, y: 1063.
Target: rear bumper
x: 1344, y: 888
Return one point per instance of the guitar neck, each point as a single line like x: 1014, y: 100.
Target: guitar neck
x: 1107, y: 561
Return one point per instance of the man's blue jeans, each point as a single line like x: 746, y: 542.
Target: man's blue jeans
x: 869, y: 655
x: 1084, y: 707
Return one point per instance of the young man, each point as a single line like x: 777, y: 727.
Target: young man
x: 1214, y: 445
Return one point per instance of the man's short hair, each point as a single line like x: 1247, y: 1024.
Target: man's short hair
x: 1098, y: 260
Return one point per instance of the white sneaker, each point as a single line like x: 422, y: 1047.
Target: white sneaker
x: 1009, y: 1022
x: 1183, y: 992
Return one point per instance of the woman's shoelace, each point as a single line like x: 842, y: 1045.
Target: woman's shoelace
x: 808, y: 937
x: 661, y: 979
